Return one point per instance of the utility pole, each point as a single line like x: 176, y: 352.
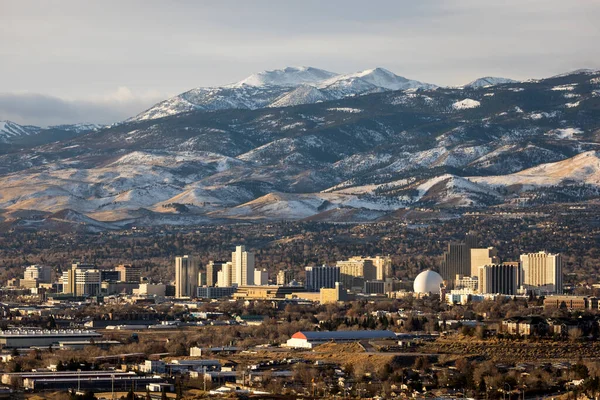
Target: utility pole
x: 112, y: 384
x: 78, y: 379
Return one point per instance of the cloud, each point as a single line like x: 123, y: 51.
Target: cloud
x: 151, y: 44
x: 43, y: 110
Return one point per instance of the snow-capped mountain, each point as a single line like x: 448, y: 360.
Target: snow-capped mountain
x: 488, y: 81
x: 382, y: 78
x: 78, y: 128
x: 287, y: 77
x: 323, y: 154
x: 10, y: 131
x: 282, y: 88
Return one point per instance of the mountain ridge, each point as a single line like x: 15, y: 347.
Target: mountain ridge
x: 361, y: 158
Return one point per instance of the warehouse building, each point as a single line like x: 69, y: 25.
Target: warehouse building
x: 43, y: 338
x: 308, y: 340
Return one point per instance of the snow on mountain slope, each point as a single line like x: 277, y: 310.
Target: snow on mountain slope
x: 138, y: 179
x: 465, y: 104
x: 302, y: 205
x: 488, y: 81
x: 282, y: 88
x: 215, y: 98
x: 303, y: 94
x: 383, y: 78
x: 288, y: 77
x: 10, y: 131
x: 455, y: 191
x: 583, y: 168
x: 81, y: 127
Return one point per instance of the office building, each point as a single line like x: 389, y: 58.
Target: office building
x: 321, y: 277
x: 225, y: 275
x: 35, y: 275
x: 268, y: 292
x: 210, y: 292
x: 457, y: 260
x: 109, y: 275
x: 285, y: 277
x: 186, y: 276
x: 355, y: 271
x: 481, y: 257
x: 87, y: 282
x: 243, y: 266
x: 467, y: 282
x: 261, y: 278
x: 333, y: 295
x: 498, y: 279
x: 129, y: 273
x: 40, y: 273
x: 382, y: 265
x: 69, y: 277
x: 212, y: 270
x: 378, y: 287
x: 542, y: 272
x: 150, y: 289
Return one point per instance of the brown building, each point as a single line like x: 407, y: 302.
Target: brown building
x: 567, y: 302
x: 129, y: 273
x: 269, y: 292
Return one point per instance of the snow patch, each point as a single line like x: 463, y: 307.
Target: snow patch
x: 466, y: 104
x: 346, y: 110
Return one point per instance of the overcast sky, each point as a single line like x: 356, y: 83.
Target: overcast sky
x: 73, y: 61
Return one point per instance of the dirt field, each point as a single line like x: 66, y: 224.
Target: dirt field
x: 511, y: 350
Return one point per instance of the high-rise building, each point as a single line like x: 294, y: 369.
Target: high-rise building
x: 542, y: 272
x: 481, y: 257
x: 382, y: 265
x: 261, y: 278
x: 355, y: 271
x: 516, y: 264
x: 69, y: 277
x: 186, y: 276
x: 498, y: 278
x: 284, y: 277
x: 40, y: 273
x: 87, y: 282
x: 225, y: 275
x: 321, y: 277
x: 109, y: 275
x: 457, y: 260
x: 212, y: 270
x: 129, y: 273
x: 243, y: 266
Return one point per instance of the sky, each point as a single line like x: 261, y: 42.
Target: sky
x: 70, y: 61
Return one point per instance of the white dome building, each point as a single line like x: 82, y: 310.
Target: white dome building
x: 428, y: 282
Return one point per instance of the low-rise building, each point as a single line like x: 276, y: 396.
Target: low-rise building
x: 308, y: 340
x: 566, y: 302
x: 525, y: 326
x: 268, y: 292
x: 43, y: 338
x: 211, y: 292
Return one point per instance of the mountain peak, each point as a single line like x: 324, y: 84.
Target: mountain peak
x: 488, y: 81
x: 287, y: 77
x: 386, y: 79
